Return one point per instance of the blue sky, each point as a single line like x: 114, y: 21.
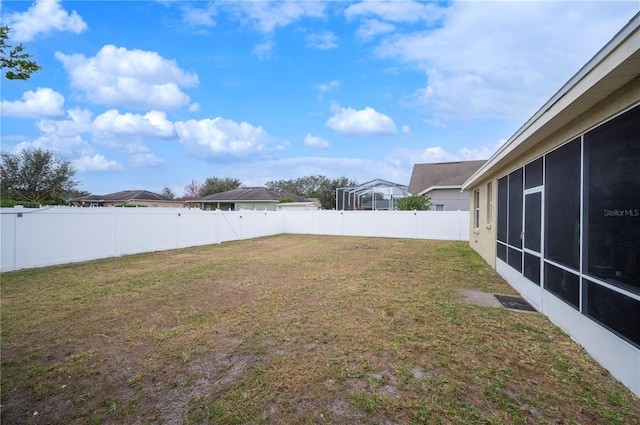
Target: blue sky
x: 148, y: 94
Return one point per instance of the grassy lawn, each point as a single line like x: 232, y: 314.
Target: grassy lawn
x: 290, y: 330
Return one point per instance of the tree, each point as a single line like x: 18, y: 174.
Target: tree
x: 320, y: 187
x: 35, y: 175
x: 75, y: 193
x: 191, y: 191
x: 414, y: 203
x: 168, y: 193
x: 216, y: 185
x: 15, y: 59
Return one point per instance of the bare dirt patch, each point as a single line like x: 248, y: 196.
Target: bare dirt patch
x: 289, y: 329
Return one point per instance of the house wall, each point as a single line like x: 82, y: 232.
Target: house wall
x: 453, y: 199
x: 619, y: 356
x: 483, y: 240
x: 256, y: 206
x: 297, y: 206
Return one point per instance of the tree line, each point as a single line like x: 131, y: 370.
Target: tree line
x: 37, y: 176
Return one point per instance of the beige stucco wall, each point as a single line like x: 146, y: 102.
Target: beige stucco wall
x: 483, y: 239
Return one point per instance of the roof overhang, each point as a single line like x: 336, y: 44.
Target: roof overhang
x: 436, y: 187
x: 232, y: 201
x: 613, y: 67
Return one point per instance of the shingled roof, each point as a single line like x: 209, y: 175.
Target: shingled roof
x: 425, y: 177
x: 126, y: 196
x: 251, y: 194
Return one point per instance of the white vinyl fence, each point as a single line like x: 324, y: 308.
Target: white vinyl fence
x: 58, y: 235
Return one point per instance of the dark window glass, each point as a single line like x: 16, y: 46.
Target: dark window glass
x: 533, y: 174
x: 562, y: 205
x: 515, y: 209
x: 514, y: 259
x: 617, y: 312
x: 532, y: 221
x: 501, y: 252
x: 532, y: 268
x: 563, y: 284
x: 503, y: 187
x: 612, y: 201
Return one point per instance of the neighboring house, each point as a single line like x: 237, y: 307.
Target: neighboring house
x: 244, y: 198
x: 299, y: 206
x: 377, y: 194
x: 442, y: 182
x: 126, y: 197
x: 556, y: 210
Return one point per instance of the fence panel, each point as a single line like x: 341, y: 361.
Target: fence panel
x: 145, y: 230
x: 48, y: 236
x: 7, y: 239
x: 443, y: 225
x: 298, y: 222
x: 326, y: 222
x: 397, y: 224
x: 196, y: 227
x: 254, y: 223
x: 360, y: 223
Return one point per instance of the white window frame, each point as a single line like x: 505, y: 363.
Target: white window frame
x: 476, y: 207
x: 489, y: 203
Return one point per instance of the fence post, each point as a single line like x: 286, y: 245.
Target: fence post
x: 116, y: 224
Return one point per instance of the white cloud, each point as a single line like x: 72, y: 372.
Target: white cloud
x: 315, y: 142
x: 68, y: 145
x: 497, y: 59
x: 395, y: 11
x: 43, y: 103
x: 96, y: 162
x: 219, y: 137
x: 256, y: 173
x: 322, y: 41
x: 325, y: 87
x: 151, y: 124
x: 266, y: 16
x: 365, y: 122
x: 406, y: 129
x: 133, y: 78
x: 194, y: 107
x: 199, y: 17
x: 407, y: 157
x: 43, y: 17
x: 372, y: 27
x: 264, y: 50
x: 78, y: 121
x: 107, y: 130
x: 146, y: 159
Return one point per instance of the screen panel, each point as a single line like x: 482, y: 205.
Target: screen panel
x: 619, y: 313
x: 514, y: 236
x: 565, y: 285
x: 612, y: 201
x: 532, y: 221
x: 503, y: 186
x: 562, y: 205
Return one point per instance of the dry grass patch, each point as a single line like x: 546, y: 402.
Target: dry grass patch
x: 290, y: 329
